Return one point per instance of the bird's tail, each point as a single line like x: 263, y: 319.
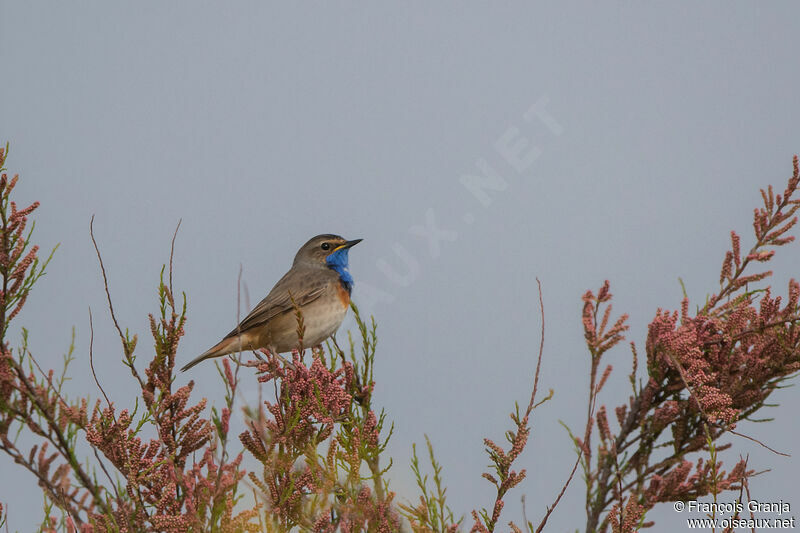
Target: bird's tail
x: 223, y: 347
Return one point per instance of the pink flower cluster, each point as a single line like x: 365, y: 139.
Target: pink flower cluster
x: 314, y: 404
x: 706, y: 371
x: 309, y: 396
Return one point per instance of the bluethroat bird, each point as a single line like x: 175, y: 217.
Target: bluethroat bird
x: 319, y: 282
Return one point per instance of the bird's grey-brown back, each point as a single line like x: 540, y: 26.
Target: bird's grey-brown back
x: 304, y: 283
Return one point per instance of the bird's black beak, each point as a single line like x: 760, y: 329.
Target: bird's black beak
x: 348, y: 244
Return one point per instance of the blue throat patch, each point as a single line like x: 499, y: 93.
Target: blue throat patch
x: 338, y: 262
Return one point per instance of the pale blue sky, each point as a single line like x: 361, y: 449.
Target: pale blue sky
x: 260, y: 125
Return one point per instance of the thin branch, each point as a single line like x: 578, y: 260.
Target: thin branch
x: 757, y: 442
x: 551, y: 508
x: 91, y: 360
x: 541, y: 351
x: 105, y: 282
x: 172, y: 253
x: 125, y: 345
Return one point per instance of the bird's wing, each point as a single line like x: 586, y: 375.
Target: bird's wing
x: 304, y: 288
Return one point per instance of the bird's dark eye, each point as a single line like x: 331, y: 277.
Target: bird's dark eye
x: 326, y: 246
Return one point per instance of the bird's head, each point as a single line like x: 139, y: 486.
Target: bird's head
x: 328, y: 250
